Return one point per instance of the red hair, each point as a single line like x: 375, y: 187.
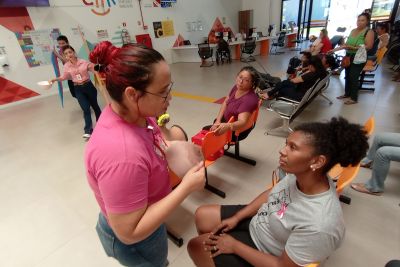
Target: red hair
x: 130, y: 65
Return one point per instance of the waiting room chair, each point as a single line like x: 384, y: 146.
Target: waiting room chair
x: 337, y: 171
x: 278, y: 42
x: 369, y: 125
x: 336, y: 40
x: 369, y: 128
x: 369, y: 70
x: 248, y: 48
x: 251, y: 123
x: 205, y: 52
x: 212, y: 148
x: 289, y: 109
x: 223, y: 55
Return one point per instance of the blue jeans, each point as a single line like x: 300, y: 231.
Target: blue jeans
x: 385, y: 148
x: 87, y: 97
x: 151, y: 252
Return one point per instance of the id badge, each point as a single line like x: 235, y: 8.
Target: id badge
x: 78, y: 77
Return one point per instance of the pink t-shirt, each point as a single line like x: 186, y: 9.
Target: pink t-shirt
x: 124, y: 167
x: 78, y: 72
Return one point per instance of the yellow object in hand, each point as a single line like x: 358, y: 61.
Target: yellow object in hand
x: 163, y: 119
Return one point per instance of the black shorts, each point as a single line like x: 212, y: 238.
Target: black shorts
x: 241, y: 233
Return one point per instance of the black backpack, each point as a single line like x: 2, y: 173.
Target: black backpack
x: 294, y: 62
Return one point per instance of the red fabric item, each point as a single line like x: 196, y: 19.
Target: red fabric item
x: 327, y: 46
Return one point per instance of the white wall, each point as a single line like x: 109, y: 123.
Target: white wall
x: 275, y: 13
x: 68, y: 14
x: 265, y: 12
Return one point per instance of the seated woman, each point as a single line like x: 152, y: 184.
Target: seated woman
x: 240, y: 103
x: 321, y: 45
x: 296, y: 88
x: 297, y: 222
x: 329, y: 62
x: 296, y: 66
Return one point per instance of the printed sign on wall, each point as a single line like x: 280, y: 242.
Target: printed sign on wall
x: 101, y: 8
x: 102, y: 35
x: 163, y: 28
x: 38, y: 46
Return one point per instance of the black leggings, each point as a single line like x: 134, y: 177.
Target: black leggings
x: 286, y: 89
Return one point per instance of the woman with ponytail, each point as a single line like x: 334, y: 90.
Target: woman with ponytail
x: 297, y: 222
x: 78, y: 70
x: 125, y: 157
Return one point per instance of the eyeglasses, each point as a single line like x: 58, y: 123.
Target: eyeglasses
x: 240, y: 78
x: 166, y: 96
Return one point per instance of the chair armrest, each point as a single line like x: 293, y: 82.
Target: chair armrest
x: 288, y: 100
x: 283, y: 108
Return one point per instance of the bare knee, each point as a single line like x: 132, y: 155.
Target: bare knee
x: 196, y: 251
x: 207, y: 217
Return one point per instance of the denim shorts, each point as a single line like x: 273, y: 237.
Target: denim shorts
x: 150, y: 252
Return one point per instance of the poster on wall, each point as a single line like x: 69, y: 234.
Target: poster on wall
x: 163, y: 28
x: 125, y: 3
x: 102, y: 35
x: 37, y: 46
x: 158, y: 31
x: 168, y: 27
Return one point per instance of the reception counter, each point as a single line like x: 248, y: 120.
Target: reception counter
x: 189, y: 53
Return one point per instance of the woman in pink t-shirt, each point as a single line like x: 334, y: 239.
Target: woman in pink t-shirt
x: 125, y: 159
x: 77, y: 70
x: 240, y: 104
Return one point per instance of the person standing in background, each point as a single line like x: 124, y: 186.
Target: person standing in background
x: 62, y: 41
x: 78, y: 70
x: 360, y: 36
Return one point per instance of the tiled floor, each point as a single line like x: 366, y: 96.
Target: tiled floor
x: 49, y: 213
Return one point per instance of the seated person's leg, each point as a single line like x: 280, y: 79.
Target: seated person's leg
x: 281, y: 87
x: 207, y: 217
x: 380, y: 167
x: 216, y: 213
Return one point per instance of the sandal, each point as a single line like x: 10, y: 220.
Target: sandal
x: 360, y: 187
x: 350, y: 102
x: 342, y: 97
x: 367, y: 165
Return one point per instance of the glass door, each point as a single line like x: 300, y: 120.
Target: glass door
x: 343, y: 13
x: 310, y: 15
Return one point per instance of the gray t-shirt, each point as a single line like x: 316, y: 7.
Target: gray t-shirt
x: 308, y: 227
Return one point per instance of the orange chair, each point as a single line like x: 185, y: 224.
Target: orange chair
x: 251, y: 123
x: 346, y: 177
x: 212, y: 145
x: 370, y: 69
x: 369, y: 127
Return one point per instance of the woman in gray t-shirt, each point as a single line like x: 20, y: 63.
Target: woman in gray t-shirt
x: 297, y: 222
